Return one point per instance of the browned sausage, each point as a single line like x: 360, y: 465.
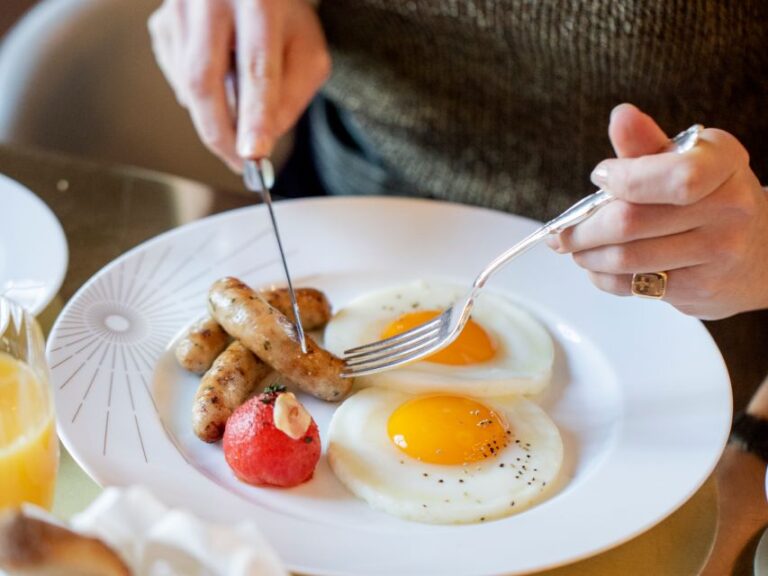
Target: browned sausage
x: 205, y: 340
x: 314, y: 308
x: 245, y: 315
x: 234, y: 375
x: 200, y: 346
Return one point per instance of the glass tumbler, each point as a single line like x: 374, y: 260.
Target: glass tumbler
x: 29, y: 447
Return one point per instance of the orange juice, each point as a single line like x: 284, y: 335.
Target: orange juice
x: 29, y: 448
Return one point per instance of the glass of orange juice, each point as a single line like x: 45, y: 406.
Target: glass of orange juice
x: 29, y: 448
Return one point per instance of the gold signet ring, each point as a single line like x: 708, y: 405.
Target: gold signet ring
x: 649, y: 284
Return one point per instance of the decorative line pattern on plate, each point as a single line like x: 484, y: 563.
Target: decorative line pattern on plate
x: 120, y: 324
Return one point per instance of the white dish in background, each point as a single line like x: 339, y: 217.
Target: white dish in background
x: 33, y: 248
x: 640, y: 392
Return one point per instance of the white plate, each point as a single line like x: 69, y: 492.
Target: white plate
x: 640, y: 392
x: 33, y: 248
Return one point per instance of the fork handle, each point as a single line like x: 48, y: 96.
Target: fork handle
x: 579, y: 212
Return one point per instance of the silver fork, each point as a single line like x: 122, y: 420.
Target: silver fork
x: 438, y: 333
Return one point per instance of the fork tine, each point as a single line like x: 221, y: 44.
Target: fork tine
x: 416, y: 347
x: 367, y: 355
x: 398, y: 337
x: 404, y: 349
x: 393, y: 360
x: 376, y: 364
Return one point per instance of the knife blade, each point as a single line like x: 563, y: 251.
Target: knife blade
x: 258, y: 176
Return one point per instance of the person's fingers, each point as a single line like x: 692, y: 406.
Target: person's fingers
x: 306, y: 67
x: 621, y: 221
x: 697, y: 216
x: 260, y: 54
x: 694, y: 291
x: 684, y: 285
x: 671, y: 178
x: 166, y: 29
x: 207, y: 62
x: 634, y: 133
x: 648, y: 255
x: 617, y: 284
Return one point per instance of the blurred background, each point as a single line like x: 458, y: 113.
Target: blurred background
x: 79, y: 77
x: 12, y: 9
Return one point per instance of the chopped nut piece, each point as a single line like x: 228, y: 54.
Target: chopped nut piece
x: 290, y: 416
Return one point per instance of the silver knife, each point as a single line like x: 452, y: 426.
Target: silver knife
x: 259, y: 176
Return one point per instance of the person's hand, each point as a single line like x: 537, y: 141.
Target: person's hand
x: 701, y: 217
x: 282, y: 60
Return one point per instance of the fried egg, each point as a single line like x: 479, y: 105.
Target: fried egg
x: 443, y: 458
x: 503, y: 350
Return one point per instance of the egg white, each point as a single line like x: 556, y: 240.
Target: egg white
x: 366, y: 461
x: 522, y: 363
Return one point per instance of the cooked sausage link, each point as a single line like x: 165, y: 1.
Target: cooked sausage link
x: 245, y: 315
x: 314, y: 307
x: 200, y: 346
x: 235, y: 373
x: 204, y: 341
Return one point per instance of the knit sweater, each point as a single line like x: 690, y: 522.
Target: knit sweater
x: 505, y: 103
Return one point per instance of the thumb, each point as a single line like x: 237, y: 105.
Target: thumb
x: 634, y: 133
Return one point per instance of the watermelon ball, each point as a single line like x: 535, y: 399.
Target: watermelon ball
x: 271, y: 440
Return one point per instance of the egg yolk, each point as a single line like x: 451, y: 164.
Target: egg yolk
x: 446, y: 429
x: 471, y: 347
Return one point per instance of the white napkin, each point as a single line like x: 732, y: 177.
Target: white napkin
x: 157, y: 541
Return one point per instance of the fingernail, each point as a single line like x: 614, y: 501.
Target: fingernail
x: 621, y: 107
x: 599, y: 175
x: 554, y: 243
x: 251, y: 145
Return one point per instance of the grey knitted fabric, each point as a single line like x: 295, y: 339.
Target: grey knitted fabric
x: 505, y: 103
